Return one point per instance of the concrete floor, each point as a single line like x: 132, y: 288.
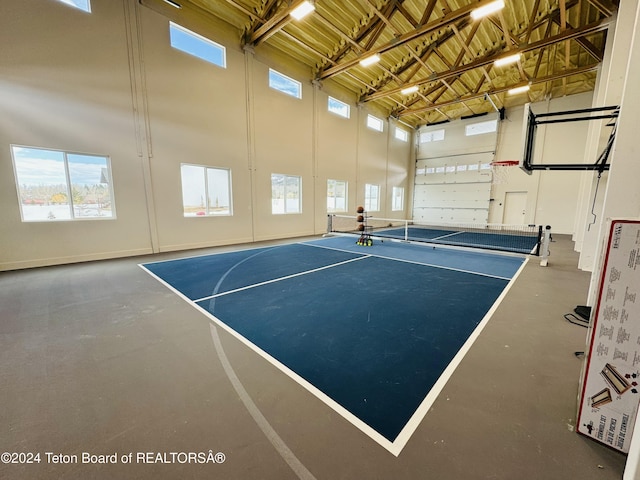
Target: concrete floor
x: 103, y: 359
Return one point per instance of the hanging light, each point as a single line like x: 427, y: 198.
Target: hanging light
x: 409, y: 90
x: 501, y: 62
x: 517, y: 90
x: 365, y: 62
x: 302, y: 10
x: 488, y: 9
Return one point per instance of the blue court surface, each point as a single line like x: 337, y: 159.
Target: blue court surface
x: 370, y: 330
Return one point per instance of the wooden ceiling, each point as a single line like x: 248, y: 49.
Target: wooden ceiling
x: 433, y: 45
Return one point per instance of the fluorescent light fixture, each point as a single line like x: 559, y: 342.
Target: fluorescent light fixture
x: 488, y: 9
x: 365, y: 62
x: 302, y: 10
x: 501, y: 62
x: 408, y: 90
x: 173, y: 4
x: 515, y: 91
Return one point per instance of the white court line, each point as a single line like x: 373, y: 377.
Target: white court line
x: 447, y: 235
x: 405, y: 434
x: 280, y: 446
x: 471, y: 272
x: 285, y: 452
x: 421, y: 411
x: 281, y: 278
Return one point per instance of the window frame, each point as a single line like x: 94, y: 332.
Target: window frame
x: 346, y: 196
x: 337, y: 111
x: 207, y: 198
x: 287, y: 79
x: 202, y: 40
x: 372, y: 120
x: 429, y: 136
x: 478, y: 128
x: 367, y: 197
x: 394, y: 207
x: 70, y: 3
x: 72, y: 204
x: 401, y: 134
x: 285, y: 178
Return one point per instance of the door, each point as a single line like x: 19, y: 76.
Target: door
x: 515, y: 208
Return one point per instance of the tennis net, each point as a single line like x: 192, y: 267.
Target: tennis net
x: 510, y: 238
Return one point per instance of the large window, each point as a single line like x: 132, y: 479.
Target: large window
x: 481, y: 128
x: 402, y: 134
x: 81, y: 4
x: 397, y: 199
x: 432, y: 136
x: 56, y: 185
x: 196, y: 45
x: 371, y: 197
x: 338, y: 107
x: 205, y: 190
x: 375, y: 123
x: 285, y: 84
x: 286, y: 194
x: 336, y: 196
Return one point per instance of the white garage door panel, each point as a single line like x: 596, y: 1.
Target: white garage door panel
x: 451, y: 215
x: 453, y: 177
x: 453, y: 195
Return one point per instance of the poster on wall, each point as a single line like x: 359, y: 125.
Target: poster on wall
x: 611, y: 381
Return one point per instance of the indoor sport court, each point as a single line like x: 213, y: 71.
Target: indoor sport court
x: 369, y: 332
x: 319, y: 240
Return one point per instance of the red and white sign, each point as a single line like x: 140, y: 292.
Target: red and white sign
x: 611, y: 382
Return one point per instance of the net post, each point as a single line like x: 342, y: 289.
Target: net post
x: 406, y: 230
x: 544, y: 258
x: 539, y: 241
x: 329, y: 223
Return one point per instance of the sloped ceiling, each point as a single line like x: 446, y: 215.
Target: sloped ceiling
x: 433, y: 45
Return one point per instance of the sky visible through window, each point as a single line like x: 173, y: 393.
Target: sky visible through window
x: 55, y: 185
x: 205, y: 191
x: 285, y: 84
x: 195, y: 45
x: 81, y: 4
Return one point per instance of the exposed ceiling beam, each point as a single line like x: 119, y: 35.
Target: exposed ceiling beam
x: 442, y: 22
x: 271, y: 26
x: 486, y: 60
x: 548, y: 78
x: 606, y: 7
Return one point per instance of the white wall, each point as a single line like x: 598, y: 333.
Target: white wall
x: 551, y: 195
x: 109, y: 83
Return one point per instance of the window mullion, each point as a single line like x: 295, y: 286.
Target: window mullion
x: 207, y: 204
x: 69, y: 189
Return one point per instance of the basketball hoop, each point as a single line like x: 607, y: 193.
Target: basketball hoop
x: 500, y: 170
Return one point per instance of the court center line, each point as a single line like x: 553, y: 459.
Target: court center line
x: 264, y: 425
x: 216, y: 295
x: 471, y: 272
x: 447, y: 235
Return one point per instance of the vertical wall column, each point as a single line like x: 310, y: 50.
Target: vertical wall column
x: 251, y: 144
x: 141, y: 112
x: 613, y: 75
x: 622, y: 196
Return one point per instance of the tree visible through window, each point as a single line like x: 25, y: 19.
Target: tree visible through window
x: 336, y: 196
x: 205, y: 190
x: 56, y: 185
x: 286, y: 194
